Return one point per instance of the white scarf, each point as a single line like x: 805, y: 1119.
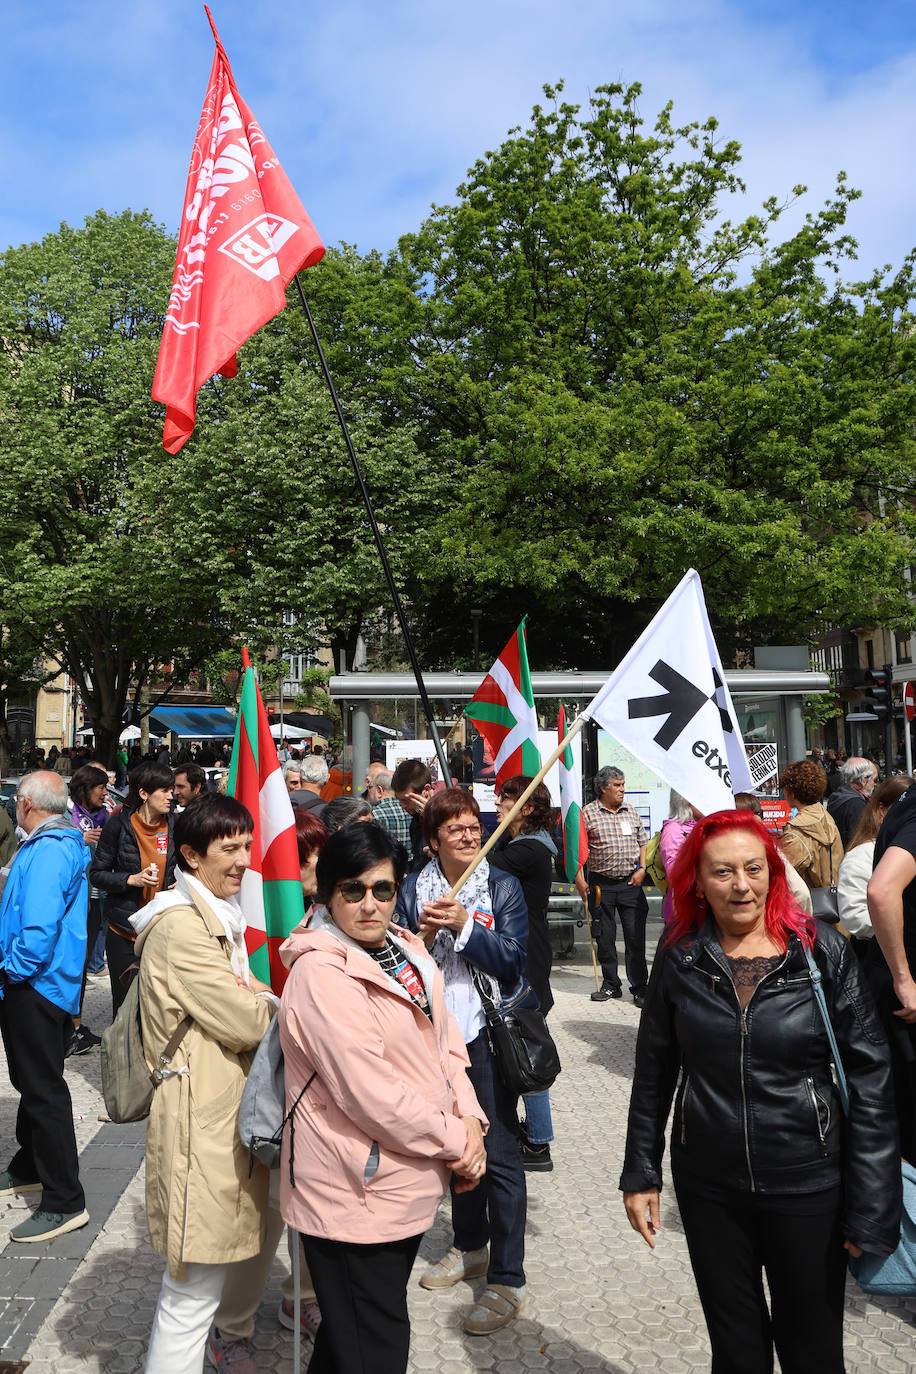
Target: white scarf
x: 227, y: 910
x: 473, y: 896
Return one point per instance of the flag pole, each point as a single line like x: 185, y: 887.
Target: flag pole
x: 510, y: 816
x: 588, y: 924
x: 379, y: 543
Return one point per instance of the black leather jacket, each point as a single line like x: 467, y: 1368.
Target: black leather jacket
x: 757, y: 1109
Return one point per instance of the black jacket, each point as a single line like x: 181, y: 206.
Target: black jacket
x: 117, y: 856
x: 530, y: 859
x: 757, y: 1109
x: 846, y: 805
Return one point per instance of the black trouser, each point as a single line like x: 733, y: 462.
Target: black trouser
x: 362, y: 1293
x: 121, y: 954
x: 35, y: 1033
x: 618, y: 897
x: 93, y: 926
x: 731, y: 1244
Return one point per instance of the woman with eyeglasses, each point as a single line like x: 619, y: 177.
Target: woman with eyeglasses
x: 479, y: 940
x: 383, y: 1111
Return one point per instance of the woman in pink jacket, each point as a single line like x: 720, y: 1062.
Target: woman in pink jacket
x: 384, y: 1113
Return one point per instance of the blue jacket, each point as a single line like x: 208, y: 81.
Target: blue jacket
x: 44, y: 913
x: 501, y: 951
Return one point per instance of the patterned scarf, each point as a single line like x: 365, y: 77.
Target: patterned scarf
x: 474, y: 896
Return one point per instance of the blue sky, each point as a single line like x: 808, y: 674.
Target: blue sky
x: 376, y: 109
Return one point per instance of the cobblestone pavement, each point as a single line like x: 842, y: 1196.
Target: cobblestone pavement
x: 598, y: 1298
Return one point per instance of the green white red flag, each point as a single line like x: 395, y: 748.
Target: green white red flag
x: 271, y: 895
x: 502, y: 710
x: 575, y: 835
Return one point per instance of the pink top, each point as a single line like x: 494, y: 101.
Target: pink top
x: 674, y: 833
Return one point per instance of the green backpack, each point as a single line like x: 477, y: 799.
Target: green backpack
x: 655, y: 869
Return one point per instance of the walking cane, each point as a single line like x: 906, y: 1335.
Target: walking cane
x: 588, y: 923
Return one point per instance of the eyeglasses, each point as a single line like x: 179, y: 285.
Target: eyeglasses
x: 354, y: 889
x: 453, y: 832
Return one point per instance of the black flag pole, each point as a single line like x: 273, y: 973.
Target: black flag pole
x: 379, y: 542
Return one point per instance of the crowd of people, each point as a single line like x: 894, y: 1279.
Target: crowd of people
x: 393, y: 1092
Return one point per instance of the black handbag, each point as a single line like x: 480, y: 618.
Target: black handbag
x: 520, y: 1042
x: 825, y: 904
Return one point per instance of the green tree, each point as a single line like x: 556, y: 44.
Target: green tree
x: 96, y: 566
x: 616, y: 382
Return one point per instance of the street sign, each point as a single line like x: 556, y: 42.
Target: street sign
x: 909, y: 700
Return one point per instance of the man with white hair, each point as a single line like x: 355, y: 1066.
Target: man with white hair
x: 313, y: 772
x: 847, y: 802
x: 43, y: 930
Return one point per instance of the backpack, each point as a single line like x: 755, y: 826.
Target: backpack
x: 127, y: 1080
x: 263, y: 1114
x: 655, y: 869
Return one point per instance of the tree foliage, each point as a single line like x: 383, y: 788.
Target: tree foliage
x: 92, y: 576
x: 618, y: 382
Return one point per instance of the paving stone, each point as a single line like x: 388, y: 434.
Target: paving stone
x: 598, y: 1299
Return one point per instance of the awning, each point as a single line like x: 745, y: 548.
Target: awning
x: 313, y: 724
x: 194, y: 722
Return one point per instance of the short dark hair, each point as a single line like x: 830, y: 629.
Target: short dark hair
x: 194, y: 773
x: 447, y: 805
x: 411, y: 775
x: 83, y: 781
x: 209, y: 817
x: 311, y: 833
x: 746, y: 801
x: 352, y: 850
x: 149, y: 777
x: 540, y: 817
x: 344, y: 811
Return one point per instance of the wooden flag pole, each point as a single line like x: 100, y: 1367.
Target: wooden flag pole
x: 588, y: 923
x: 538, y: 777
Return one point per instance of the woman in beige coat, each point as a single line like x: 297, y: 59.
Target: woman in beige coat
x: 810, y: 840
x: 203, y: 1210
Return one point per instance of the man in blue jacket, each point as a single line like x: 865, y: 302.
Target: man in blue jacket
x: 43, y: 919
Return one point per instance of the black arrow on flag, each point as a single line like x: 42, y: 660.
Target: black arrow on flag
x: 680, y: 703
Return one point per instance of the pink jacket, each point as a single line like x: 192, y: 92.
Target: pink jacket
x: 377, y: 1128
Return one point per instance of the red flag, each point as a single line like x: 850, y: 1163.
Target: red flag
x: 244, y: 235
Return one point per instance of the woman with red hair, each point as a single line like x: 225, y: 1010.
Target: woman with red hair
x: 769, y: 1173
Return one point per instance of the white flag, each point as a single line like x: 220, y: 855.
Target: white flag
x: 669, y: 705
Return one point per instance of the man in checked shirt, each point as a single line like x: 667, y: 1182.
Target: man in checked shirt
x: 616, y: 871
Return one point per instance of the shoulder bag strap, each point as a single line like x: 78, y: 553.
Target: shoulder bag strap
x: 816, y: 987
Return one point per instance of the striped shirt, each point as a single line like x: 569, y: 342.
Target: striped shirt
x: 401, y: 970
x: 391, y: 816
x: 614, y: 839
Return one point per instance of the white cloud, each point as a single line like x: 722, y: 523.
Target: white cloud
x: 376, y: 111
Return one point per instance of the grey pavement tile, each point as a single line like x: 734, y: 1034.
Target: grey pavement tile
x: 598, y: 1299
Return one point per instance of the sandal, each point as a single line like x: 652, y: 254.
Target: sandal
x: 495, y: 1309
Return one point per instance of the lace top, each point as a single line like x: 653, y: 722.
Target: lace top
x: 747, y: 973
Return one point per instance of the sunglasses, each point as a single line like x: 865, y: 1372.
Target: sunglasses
x: 354, y: 889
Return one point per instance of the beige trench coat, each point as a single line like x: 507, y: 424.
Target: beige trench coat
x: 201, y: 1206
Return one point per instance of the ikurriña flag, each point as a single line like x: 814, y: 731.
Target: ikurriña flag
x: 271, y: 895
x: 575, y: 835
x: 244, y: 234
x: 502, y: 710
